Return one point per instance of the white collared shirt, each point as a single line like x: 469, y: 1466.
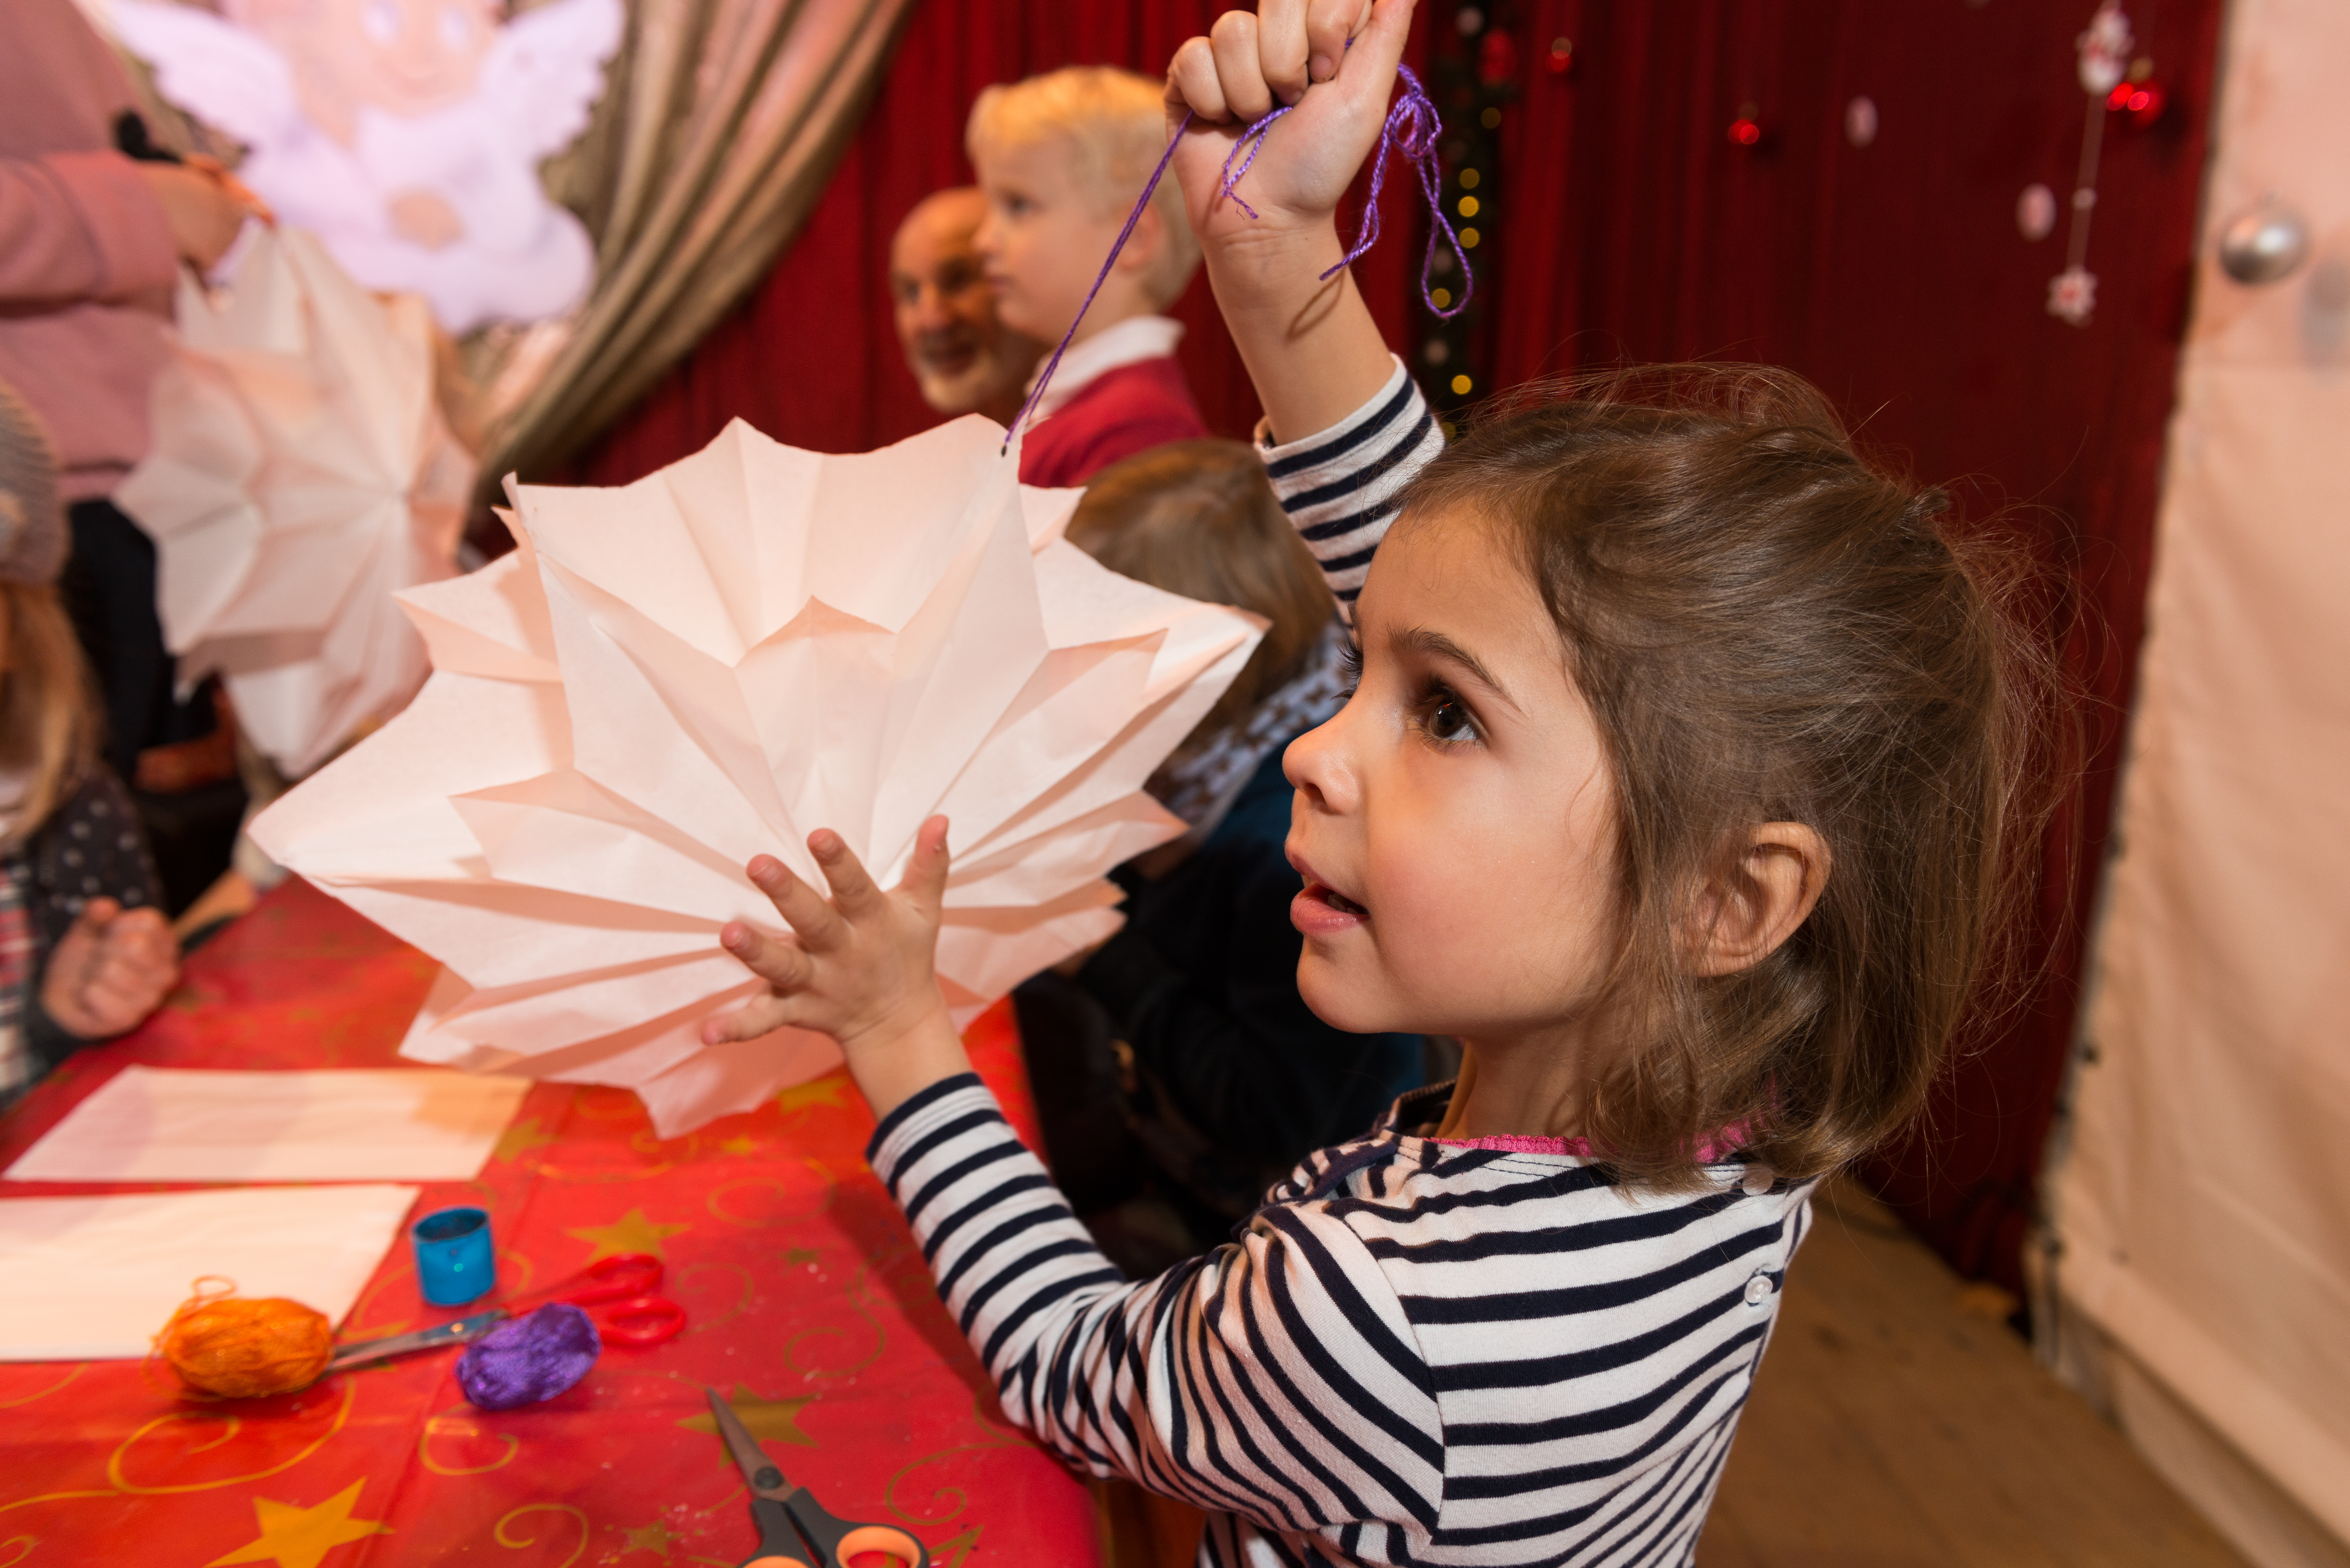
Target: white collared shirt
x: 1127, y: 342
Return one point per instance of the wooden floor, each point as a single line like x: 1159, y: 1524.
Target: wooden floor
x: 1897, y: 1423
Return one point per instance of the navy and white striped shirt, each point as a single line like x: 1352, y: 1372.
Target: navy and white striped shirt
x: 1414, y: 1353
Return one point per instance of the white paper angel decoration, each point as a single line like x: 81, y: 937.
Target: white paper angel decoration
x: 666, y: 680
x: 300, y: 474
x: 405, y: 133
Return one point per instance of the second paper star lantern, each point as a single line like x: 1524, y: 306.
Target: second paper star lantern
x: 300, y: 474
x: 667, y: 678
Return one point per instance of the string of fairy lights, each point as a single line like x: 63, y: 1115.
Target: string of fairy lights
x: 1472, y: 77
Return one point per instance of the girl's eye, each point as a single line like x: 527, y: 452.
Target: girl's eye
x: 1447, y: 717
x: 1350, y: 668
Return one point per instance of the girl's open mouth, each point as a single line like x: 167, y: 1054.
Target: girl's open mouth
x: 1319, y: 910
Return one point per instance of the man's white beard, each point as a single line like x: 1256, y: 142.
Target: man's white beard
x: 963, y: 391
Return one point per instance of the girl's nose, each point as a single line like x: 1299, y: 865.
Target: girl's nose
x: 1318, y: 766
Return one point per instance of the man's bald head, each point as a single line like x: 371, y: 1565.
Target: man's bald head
x: 965, y: 360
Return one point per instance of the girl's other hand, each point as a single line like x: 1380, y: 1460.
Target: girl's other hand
x: 860, y: 967
x: 1250, y: 62
x: 110, y: 971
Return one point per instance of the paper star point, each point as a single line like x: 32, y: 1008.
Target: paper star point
x: 767, y: 1420
x: 631, y: 1232
x: 297, y: 1537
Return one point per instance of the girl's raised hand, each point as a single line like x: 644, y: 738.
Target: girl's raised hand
x: 1247, y: 65
x: 859, y: 969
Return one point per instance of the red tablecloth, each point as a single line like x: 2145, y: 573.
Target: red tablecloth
x: 808, y: 1304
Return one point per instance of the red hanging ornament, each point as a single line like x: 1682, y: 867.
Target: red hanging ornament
x: 1746, y: 131
x: 1497, y: 56
x: 1561, y: 59
x: 2136, y: 104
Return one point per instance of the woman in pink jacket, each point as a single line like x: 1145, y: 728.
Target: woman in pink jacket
x: 91, y: 240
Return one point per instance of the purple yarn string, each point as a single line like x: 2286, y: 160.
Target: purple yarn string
x: 1101, y: 277
x: 1412, y: 127
x: 532, y: 1358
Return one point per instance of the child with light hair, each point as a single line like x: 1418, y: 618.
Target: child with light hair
x: 1061, y: 158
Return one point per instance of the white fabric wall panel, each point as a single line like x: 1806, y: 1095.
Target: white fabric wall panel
x: 2201, y: 1192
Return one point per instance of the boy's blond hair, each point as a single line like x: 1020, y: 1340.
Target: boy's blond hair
x: 1113, y: 124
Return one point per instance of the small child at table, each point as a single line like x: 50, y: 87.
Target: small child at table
x: 85, y: 953
x: 1061, y: 158
x: 1177, y: 1071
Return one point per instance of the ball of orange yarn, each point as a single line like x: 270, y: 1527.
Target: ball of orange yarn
x: 245, y: 1349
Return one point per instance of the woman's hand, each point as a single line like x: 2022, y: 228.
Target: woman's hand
x: 110, y: 971
x: 857, y: 967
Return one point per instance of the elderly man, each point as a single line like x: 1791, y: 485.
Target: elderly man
x: 964, y: 360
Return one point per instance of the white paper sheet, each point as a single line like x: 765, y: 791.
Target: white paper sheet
x: 169, y: 1123
x: 665, y: 680
x: 95, y: 1279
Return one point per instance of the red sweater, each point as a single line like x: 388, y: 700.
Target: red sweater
x: 1125, y: 410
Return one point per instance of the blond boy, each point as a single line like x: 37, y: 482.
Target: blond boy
x: 1061, y: 158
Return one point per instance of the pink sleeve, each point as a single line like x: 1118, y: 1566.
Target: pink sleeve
x: 77, y: 226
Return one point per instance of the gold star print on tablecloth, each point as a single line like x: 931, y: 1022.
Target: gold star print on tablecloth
x: 522, y: 1138
x: 631, y: 1232
x: 768, y: 1420
x: 295, y: 1537
x: 826, y: 1091
x: 647, y: 1538
x: 744, y: 1145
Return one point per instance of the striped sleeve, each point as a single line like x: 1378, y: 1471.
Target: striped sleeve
x: 1277, y: 1378
x: 1343, y: 486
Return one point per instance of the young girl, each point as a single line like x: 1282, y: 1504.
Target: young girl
x: 84, y: 951
x: 1676, y: 783
x: 1178, y: 1056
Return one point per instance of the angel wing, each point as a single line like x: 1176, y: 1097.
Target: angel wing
x: 546, y: 69
x: 214, y: 69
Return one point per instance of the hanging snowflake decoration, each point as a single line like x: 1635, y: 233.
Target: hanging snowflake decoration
x: 2072, y: 296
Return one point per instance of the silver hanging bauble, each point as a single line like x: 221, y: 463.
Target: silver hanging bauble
x: 2263, y: 244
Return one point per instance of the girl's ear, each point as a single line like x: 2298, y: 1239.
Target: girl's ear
x: 1756, y: 904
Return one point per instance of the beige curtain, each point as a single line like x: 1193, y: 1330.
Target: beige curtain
x: 717, y: 131
x: 2199, y: 1198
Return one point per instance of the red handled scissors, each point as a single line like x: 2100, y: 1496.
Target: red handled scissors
x: 794, y: 1531
x: 620, y: 1292
x: 616, y: 1292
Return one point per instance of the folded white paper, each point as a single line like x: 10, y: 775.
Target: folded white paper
x: 169, y: 1123
x: 96, y: 1279
x: 300, y: 473
x: 666, y: 680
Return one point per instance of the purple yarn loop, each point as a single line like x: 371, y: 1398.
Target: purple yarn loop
x: 533, y: 1357
x: 1411, y: 128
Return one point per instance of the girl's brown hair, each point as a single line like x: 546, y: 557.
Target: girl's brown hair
x: 1767, y: 628
x: 1199, y: 518
x: 48, y: 717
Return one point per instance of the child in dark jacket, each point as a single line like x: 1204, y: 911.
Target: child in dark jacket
x: 85, y: 953
x: 1177, y: 1063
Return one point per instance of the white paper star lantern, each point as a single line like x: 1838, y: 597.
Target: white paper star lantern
x: 666, y: 680
x: 300, y: 474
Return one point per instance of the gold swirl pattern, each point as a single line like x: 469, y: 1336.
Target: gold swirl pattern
x: 446, y: 1426
x: 77, y: 1369
x: 587, y: 1530
x: 231, y: 1427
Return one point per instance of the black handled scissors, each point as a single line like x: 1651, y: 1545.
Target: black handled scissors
x: 794, y: 1531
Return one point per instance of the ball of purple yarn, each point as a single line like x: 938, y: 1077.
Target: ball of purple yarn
x: 530, y: 1359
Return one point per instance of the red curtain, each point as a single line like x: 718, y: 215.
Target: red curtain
x: 1621, y: 221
